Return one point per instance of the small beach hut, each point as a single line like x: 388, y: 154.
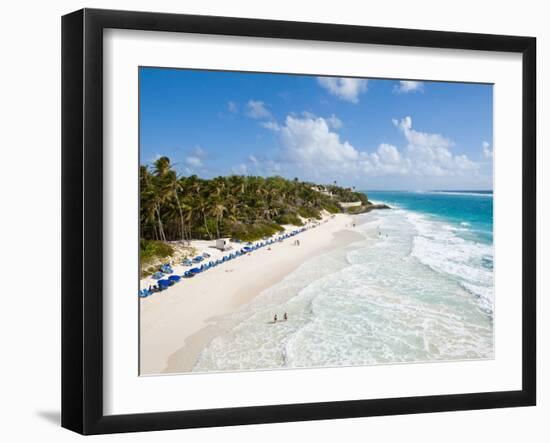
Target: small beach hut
x: 222, y: 244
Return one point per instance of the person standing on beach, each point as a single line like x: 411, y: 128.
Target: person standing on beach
x: 275, y: 319
x: 285, y: 317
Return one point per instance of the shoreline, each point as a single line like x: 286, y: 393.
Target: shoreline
x: 177, y: 324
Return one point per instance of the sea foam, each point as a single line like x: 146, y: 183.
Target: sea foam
x: 412, y: 291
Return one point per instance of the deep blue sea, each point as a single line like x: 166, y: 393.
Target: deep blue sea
x: 471, y: 212
x: 417, y: 288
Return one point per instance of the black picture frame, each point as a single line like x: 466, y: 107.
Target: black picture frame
x: 82, y: 218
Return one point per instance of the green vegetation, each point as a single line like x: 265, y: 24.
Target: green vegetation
x: 241, y: 207
x: 346, y: 195
x: 253, y: 231
x: 150, y: 250
x: 289, y: 219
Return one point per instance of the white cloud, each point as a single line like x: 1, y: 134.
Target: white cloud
x: 257, y: 109
x: 232, y: 107
x: 430, y: 154
x: 240, y: 169
x: 199, y: 152
x: 334, y: 122
x: 344, y: 88
x: 310, y: 142
x: 273, y: 126
x: 307, y: 114
x: 258, y: 165
x: 421, y: 138
x: 487, y: 150
x: 406, y: 86
x: 312, y: 147
x: 195, y: 159
x: 271, y: 167
x: 389, y: 153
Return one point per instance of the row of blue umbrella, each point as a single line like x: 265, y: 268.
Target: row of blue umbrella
x: 165, y: 283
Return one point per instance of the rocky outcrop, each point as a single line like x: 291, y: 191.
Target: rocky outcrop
x: 366, y: 208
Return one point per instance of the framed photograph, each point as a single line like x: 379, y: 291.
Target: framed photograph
x: 269, y: 221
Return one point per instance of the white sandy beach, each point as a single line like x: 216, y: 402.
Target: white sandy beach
x: 177, y: 323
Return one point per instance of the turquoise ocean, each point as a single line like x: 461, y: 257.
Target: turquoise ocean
x: 417, y: 288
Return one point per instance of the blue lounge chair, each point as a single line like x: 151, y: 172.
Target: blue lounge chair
x: 174, y: 278
x: 166, y: 268
x: 158, y: 275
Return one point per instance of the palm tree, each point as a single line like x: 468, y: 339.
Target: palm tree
x: 162, y: 166
x: 204, y: 208
x: 147, y: 215
x: 173, y: 187
x: 217, y: 211
x: 174, y: 207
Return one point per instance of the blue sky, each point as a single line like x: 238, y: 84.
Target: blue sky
x: 368, y: 133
